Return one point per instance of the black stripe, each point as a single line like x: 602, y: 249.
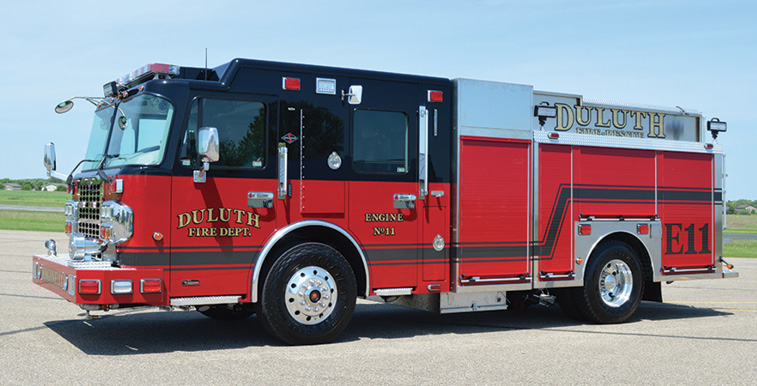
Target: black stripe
x: 188, y: 258
x: 209, y: 268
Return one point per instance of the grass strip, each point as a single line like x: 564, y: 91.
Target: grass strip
x: 31, y: 221
x: 741, y: 248
x: 33, y: 198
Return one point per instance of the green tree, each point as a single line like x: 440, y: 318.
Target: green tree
x: 26, y: 186
x: 60, y: 188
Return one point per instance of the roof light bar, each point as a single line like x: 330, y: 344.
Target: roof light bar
x: 142, y: 74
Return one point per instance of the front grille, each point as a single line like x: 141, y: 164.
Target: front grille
x: 90, y: 199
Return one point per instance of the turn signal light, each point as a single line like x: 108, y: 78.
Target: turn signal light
x: 150, y: 286
x: 89, y: 287
x: 584, y: 229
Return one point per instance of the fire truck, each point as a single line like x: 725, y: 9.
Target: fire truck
x: 288, y: 191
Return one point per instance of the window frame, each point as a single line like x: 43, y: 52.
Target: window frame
x: 408, y: 139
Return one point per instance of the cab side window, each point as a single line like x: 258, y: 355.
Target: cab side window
x: 241, y: 130
x: 380, y: 142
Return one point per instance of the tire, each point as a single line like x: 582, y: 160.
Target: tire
x: 224, y: 312
x: 308, y: 296
x: 613, y: 284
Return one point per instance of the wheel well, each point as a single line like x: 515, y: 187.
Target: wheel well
x: 323, y: 235
x: 638, y: 247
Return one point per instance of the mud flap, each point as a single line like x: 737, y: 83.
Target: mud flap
x: 652, y: 292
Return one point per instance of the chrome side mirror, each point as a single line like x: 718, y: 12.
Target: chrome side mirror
x: 355, y: 95
x: 208, y: 144
x: 208, y: 147
x: 49, y: 160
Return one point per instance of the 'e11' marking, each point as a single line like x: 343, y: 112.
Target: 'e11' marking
x: 675, y: 245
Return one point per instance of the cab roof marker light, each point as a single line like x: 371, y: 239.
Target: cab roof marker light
x: 290, y: 84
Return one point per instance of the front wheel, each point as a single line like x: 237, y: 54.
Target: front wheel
x: 612, y: 284
x: 309, y: 295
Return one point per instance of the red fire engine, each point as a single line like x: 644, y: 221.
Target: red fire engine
x: 290, y: 190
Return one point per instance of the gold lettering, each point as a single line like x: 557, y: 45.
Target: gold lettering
x: 194, y: 216
x: 239, y: 212
x: 184, y: 219
x: 616, y: 119
x: 656, y: 126
x: 253, y: 220
x: 580, y: 115
x: 221, y: 211
x: 601, y: 118
x: 639, y: 116
x: 210, y: 215
x: 564, y: 115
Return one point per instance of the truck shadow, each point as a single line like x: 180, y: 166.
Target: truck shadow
x: 138, y: 332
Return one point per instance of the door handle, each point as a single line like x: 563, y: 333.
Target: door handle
x: 404, y: 201
x: 260, y: 199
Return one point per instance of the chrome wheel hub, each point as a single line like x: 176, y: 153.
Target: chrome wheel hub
x: 310, y: 295
x: 615, y: 283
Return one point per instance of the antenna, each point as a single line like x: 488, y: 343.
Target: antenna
x: 206, y: 63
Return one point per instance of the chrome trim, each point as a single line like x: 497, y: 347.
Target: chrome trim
x: 82, y: 248
x: 311, y: 295
x: 422, y: 153
x: 260, y: 199
x: 615, y: 283
x: 120, y: 218
x: 302, y: 224
x: 142, y: 286
x: 282, y: 187
x: 120, y: 282
x: 204, y: 300
x: 393, y: 291
x: 99, y: 286
x: 627, y: 143
x: 404, y: 201
x: 652, y: 242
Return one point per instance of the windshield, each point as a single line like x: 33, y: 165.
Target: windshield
x: 98, y: 137
x: 142, y: 140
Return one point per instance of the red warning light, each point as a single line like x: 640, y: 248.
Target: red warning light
x: 435, y: 96
x: 291, y: 83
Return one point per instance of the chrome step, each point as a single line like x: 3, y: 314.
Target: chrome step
x: 393, y: 291
x: 204, y: 300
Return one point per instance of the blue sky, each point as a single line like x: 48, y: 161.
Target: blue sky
x: 695, y: 54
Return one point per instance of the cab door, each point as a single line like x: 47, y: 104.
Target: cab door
x: 383, y: 201
x: 219, y: 224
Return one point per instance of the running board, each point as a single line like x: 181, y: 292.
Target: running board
x: 394, y: 291
x: 205, y: 300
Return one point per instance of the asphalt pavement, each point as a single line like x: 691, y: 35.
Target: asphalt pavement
x: 704, y: 334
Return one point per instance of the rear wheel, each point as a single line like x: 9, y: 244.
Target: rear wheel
x: 612, y: 284
x: 309, y: 295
